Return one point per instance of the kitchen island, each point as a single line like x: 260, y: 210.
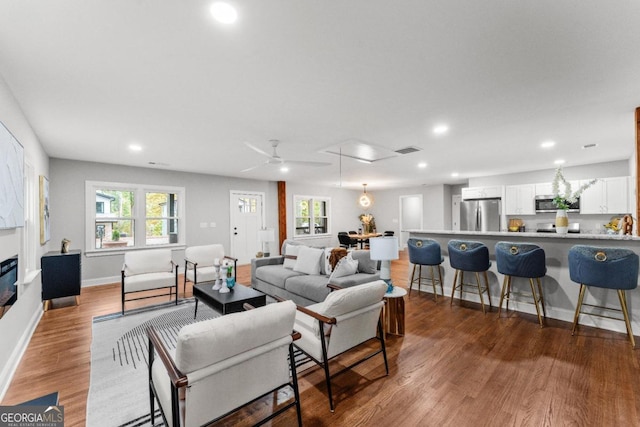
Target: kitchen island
x: 560, y: 293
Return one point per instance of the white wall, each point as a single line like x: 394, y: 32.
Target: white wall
x: 17, y: 325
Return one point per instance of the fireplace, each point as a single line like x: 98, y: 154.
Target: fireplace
x: 8, y: 282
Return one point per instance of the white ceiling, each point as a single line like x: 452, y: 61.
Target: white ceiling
x: 94, y: 76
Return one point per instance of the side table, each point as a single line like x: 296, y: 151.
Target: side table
x: 394, y: 311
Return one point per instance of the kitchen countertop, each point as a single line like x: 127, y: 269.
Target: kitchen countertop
x: 530, y: 234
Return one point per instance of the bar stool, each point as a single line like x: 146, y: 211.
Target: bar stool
x: 425, y: 252
x: 522, y: 260
x: 609, y: 268
x: 473, y: 257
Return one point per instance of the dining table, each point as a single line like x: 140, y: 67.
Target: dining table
x: 362, y: 238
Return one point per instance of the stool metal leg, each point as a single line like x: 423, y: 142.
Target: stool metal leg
x: 413, y: 274
x: 461, y: 283
x: 480, y: 292
x: 580, y: 298
x: 541, y: 296
x: 440, y: 277
x: 433, y: 284
x: 504, y: 289
x: 453, y: 288
x: 625, y: 311
x: 486, y: 282
x: 535, y: 301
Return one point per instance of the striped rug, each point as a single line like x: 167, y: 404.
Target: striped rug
x: 119, y: 391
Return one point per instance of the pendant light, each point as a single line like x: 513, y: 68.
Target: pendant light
x: 365, y: 200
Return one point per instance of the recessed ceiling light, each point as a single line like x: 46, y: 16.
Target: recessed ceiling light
x: 284, y: 169
x: 548, y: 144
x: 585, y: 146
x: 422, y: 165
x: 440, y: 129
x: 559, y: 162
x: 454, y: 174
x: 224, y: 13
x: 135, y: 147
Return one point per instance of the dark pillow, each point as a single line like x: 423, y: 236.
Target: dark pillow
x: 365, y: 263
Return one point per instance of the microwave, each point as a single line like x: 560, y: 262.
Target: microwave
x: 545, y: 204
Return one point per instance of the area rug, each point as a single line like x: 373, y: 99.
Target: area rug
x: 119, y: 391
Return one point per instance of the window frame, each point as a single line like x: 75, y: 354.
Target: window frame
x: 138, y: 215
x: 312, y: 230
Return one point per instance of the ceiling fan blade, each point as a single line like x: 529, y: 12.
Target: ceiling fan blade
x: 257, y: 150
x: 306, y: 163
x: 256, y: 167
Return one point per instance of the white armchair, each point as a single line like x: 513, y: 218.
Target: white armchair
x: 222, y: 364
x: 345, y: 319
x: 199, y: 263
x: 146, y: 270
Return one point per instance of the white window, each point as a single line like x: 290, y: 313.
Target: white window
x: 311, y: 216
x: 132, y: 216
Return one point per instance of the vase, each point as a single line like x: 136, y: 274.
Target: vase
x: 231, y: 282
x: 562, y: 221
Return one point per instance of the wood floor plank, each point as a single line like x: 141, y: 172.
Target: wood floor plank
x: 454, y: 366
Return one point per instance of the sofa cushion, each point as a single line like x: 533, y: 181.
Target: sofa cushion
x: 311, y: 287
x: 275, y: 274
x: 290, y: 256
x: 345, y: 267
x: 365, y: 263
x: 308, y: 260
x: 355, y: 279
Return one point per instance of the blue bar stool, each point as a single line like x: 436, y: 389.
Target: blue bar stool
x: 473, y: 257
x: 522, y: 260
x: 610, y: 268
x: 425, y: 252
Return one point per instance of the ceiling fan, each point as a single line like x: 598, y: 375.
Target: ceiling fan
x: 275, y: 159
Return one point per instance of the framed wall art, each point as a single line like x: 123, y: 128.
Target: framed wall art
x: 45, y: 232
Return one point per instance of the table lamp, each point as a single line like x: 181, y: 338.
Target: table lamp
x: 266, y: 235
x: 384, y: 249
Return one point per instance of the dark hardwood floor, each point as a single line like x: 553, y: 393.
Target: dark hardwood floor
x: 455, y: 366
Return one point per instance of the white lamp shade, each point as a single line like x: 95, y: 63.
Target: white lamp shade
x: 266, y: 235
x: 383, y: 248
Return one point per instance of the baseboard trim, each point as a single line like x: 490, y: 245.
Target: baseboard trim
x: 16, y: 356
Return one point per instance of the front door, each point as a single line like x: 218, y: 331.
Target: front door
x: 247, y: 217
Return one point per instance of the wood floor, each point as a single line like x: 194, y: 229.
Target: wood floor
x: 455, y: 366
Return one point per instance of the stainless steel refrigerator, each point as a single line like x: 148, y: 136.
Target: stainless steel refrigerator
x: 480, y: 215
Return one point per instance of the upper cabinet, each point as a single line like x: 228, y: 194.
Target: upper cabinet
x: 546, y: 188
x: 482, y: 192
x: 519, y: 199
x: 606, y: 196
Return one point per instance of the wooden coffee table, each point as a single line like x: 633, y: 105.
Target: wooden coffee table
x: 230, y: 302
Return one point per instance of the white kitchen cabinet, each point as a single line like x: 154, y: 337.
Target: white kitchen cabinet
x: 519, y: 199
x: 606, y: 196
x: 544, y: 189
x: 482, y: 192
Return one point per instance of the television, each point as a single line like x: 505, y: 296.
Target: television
x: 8, y: 282
x: 11, y: 180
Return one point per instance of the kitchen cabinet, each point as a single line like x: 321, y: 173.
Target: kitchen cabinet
x: 519, y: 199
x: 61, y: 275
x: 606, y: 196
x: 482, y: 192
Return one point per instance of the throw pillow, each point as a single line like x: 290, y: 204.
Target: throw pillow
x: 325, y: 264
x: 345, y: 267
x: 308, y: 261
x: 290, y: 256
x: 365, y: 263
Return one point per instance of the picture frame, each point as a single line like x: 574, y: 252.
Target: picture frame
x: 45, y: 230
